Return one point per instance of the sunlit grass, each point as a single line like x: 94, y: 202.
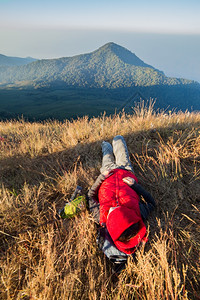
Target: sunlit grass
x: 41, y: 164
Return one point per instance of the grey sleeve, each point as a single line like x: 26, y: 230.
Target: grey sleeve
x: 93, y: 198
x: 145, y: 208
x: 94, y: 210
x: 93, y: 192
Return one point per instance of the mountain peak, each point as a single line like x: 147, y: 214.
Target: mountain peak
x: 111, y: 46
x: 123, y: 54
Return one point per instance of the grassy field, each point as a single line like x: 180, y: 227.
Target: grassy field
x: 40, y: 165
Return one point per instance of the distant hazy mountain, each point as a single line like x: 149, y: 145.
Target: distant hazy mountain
x: 14, y: 61
x: 109, y: 79
x: 111, y: 66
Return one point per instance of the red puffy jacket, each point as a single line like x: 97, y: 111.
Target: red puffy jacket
x: 114, y: 192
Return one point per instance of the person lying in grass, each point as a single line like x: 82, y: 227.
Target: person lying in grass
x: 120, y: 212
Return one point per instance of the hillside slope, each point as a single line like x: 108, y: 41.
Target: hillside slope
x: 14, y: 61
x: 41, y: 164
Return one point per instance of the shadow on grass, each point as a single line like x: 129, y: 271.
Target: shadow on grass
x: 173, y: 196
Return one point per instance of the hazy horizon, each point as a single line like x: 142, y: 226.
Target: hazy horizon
x: 164, y: 35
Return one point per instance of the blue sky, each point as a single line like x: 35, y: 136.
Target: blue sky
x: 165, y: 34
x: 172, y: 16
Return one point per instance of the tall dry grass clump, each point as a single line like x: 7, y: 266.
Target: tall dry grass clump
x: 41, y: 164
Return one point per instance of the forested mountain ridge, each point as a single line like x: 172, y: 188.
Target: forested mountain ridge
x: 108, y: 79
x: 14, y: 61
x: 111, y: 66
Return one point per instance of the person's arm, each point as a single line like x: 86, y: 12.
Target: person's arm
x: 98, y: 212
x: 148, y: 207
x: 145, y: 208
x: 93, y: 201
x: 93, y: 192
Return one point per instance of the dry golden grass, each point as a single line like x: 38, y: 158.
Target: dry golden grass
x: 41, y: 163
